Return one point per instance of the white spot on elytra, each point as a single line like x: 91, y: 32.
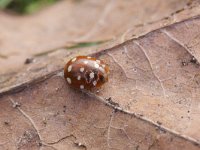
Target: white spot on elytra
x: 79, y: 78
x: 74, y: 59
x: 96, y: 65
x: 81, y: 86
x: 94, y: 83
x: 102, y: 69
x: 91, y: 75
x: 69, y: 80
x: 86, y: 62
x: 69, y: 68
x: 82, y: 69
x: 98, y: 61
x: 89, y: 57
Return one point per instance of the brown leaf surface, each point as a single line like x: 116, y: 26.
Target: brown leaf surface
x: 45, y: 61
x: 28, y: 36
x: 152, y: 97
x: 53, y: 116
x: 158, y: 76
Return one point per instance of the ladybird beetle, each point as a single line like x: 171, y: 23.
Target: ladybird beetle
x: 85, y: 72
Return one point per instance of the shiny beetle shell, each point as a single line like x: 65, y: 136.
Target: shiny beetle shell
x: 84, y: 72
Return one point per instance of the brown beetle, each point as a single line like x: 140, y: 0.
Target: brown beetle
x: 86, y: 72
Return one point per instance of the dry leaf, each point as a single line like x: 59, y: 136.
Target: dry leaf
x: 150, y: 102
x: 28, y: 36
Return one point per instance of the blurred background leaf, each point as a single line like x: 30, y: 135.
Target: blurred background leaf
x: 25, y: 6
x: 4, y: 3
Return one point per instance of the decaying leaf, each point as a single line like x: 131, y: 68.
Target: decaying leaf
x: 53, y: 116
x: 151, y: 101
x: 29, y: 36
